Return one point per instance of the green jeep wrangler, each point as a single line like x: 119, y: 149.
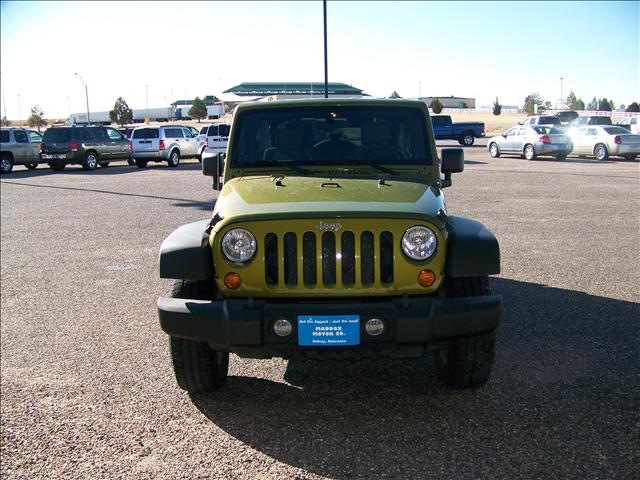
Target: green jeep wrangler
x: 330, y: 239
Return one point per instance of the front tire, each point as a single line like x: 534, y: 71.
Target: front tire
x: 600, y: 152
x: 494, y: 150
x: 6, y: 164
x: 198, y: 368
x: 90, y: 161
x: 467, y: 362
x: 131, y: 161
x: 103, y: 164
x: 530, y: 152
x: 31, y: 166
x: 174, y: 158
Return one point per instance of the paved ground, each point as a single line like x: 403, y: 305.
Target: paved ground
x: 88, y: 390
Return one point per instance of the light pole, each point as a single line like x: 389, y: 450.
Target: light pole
x: 561, y: 97
x: 86, y: 93
x: 69, y: 105
x: 147, y: 98
x: 326, y: 67
x: 419, y: 90
x: 19, y: 112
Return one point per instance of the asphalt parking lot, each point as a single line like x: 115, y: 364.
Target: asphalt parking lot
x: 88, y: 390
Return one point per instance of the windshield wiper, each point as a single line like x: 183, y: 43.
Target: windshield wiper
x: 296, y: 168
x: 374, y: 165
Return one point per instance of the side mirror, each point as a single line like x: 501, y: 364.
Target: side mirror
x: 214, y: 167
x: 452, y: 162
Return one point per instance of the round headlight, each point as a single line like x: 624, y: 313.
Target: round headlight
x: 239, y: 245
x: 419, y: 243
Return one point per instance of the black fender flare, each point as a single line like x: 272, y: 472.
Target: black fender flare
x: 472, y: 250
x: 185, y: 254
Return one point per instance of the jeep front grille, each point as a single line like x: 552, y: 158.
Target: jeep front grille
x: 329, y: 259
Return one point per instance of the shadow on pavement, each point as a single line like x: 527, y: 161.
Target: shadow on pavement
x: 565, y: 385
x: 114, y: 168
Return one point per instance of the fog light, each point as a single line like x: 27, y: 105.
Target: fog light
x: 374, y: 326
x: 426, y: 278
x: 282, y: 327
x: 232, y: 280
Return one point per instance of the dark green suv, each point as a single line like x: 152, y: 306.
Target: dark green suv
x: 86, y: 146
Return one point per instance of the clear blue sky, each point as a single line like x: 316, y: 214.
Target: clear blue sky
x: 481, y: 49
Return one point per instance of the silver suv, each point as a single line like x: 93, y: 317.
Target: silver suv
x: 213, y: 138
x: 19, y: 147
x: 166, y: 143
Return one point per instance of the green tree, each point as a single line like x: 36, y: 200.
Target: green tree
x: 593, y: 104
x: 36, y: 119
x: 604, y: 105
x: 198, y: 109
x: 579, y: 104
x: 572, y: 101
x: 395, y: 94
x: 633, y: 107
x: 436, y: 105
x: 121, y: 113
x: 612, y: 105
x: 534, y: 103
x: 497, y: 107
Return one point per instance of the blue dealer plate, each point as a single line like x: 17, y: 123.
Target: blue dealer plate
x: 328, y: 330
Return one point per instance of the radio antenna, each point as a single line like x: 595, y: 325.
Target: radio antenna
x: 326, y: 68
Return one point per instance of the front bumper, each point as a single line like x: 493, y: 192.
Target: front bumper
x: 413, y: 323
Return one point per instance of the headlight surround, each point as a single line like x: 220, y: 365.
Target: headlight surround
x: 239, y: 245
x: 419, y: 243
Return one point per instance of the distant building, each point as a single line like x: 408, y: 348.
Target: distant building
x: 293, y: 90
x: 452, y: 102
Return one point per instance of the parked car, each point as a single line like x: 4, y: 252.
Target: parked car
x: 193, y: 130
x: 548, y: 120
x: 126, y: 131
x: 329, y: 239
x: 531, y: 142
x: 602, y: 142
x: 566, y: 117
x: 464, y: 132
x: 591, y: 120
x: 630, y: 123
x: 86, y: 146
x: 165, y: 143
x: 214, y: 139
x: 19, y: 146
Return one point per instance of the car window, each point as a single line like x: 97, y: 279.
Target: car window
x: 509, y: 132
x: 600, y: 121
x: 224, y: 130
x: 633, y: 121
x: 437, y: 120
x: 20, y: 136
x: 35, y: 137
x: 549, y: 120
x: 187, y: 133
x: 615, y: 130
x: 591, y: 131
x: 145, y: 133
x: 4, y: 136
x: 114, y: 135
x: 173, y: 133
x: 203, y: 130
x: 213, y: 131
x: 57, y: 135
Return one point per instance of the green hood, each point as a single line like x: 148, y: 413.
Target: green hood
x: 258, y: 197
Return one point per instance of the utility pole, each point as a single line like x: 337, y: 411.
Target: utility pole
x: 4, y: 101
x: 419, y: 90
x: 561, y: 97
x: 69, y: 105
x: 19, y: 112
x: 86, y: 92
x: 147, y: 98
x: 326, y: 68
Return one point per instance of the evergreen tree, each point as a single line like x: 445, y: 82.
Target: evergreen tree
x: 580, y: 104
x: 436, y: 106
x: 633, y: 107
x: 497, y: 107
x: 121, y: 113
x: 198, y: 110
x: 36, y: 119
x: 572, y: 101
x: 395, y: 94
x: 534, y: 103
x: 593, y: 104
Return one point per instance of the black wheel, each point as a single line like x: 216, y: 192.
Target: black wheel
x: 57, y: 167
x: 174, y: 158
x: 6, y: 164
x: 197, y: 367
x: 31, y: 166
x: 600, y: 152
x: 630, y: 157
x: 467, y: 362
x: 562, y: 156
x: 131, y: 161
x: 103, y: 164
x: 140, y: 163
x: 530, y: 152
x: 494, y: 150
x: 467, y: 139
x: 90, y: 161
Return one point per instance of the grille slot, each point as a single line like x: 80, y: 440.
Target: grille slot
x: 373, y: 257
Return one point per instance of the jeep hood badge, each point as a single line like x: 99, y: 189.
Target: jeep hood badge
x: 329, y: 226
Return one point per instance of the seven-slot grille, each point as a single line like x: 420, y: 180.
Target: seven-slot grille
x: 328, y: 259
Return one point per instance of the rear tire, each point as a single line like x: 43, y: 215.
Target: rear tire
x: 198, y: 368
x: 141, y: 163
x: 131, y: 161
x: 6, y: 164
x: 90, y: 161
x: 103, y: 164
x: 600, y: 152
x: 31, y: 166
x: 467, y: 139
x: 494, y: 150
x: 561, y: 156
x: 174, y: 158
x: 530, y: 152
x: 467, y: 362
x: 57, y: 167
x: 630, y: 157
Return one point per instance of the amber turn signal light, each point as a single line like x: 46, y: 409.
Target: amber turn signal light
x: 426, y: 278
x: 232, y: 280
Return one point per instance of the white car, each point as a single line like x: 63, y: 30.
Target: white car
x: 602, y: 142
x: 631, y: 123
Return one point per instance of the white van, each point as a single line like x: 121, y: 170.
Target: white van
x: 213, y: 138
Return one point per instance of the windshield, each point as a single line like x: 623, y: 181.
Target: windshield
x: 146, y: 133
x: 548, y: 130
x: 57, y: 135
x: 616, y: 130
x: 549, y: 120
x: 330, y: 135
